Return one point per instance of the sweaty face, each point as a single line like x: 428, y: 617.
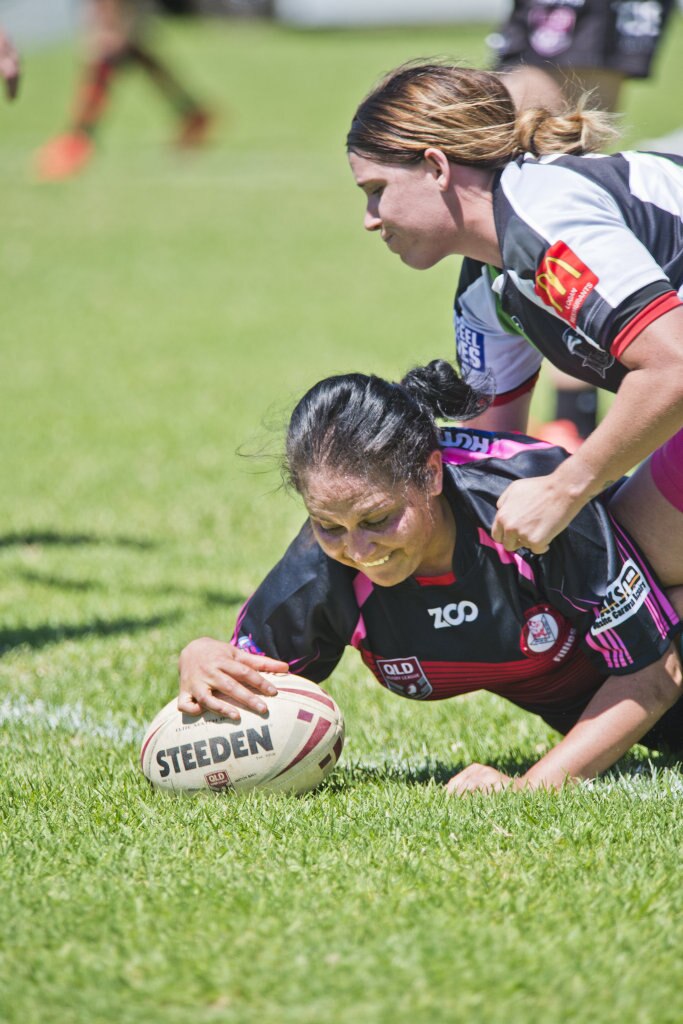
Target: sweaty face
x: 406, y: 204
x: 388, y: 533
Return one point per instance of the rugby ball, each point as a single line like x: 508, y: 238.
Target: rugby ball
x: 290, y: 749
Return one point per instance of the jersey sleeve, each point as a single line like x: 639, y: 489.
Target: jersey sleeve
x: 597, y: 575
x: 304, y: 612
x: 487, y: 353
x: 581, y: 258
x: 593, y: 573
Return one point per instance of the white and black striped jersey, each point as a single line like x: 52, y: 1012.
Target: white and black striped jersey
x: 592, y: 252
x: 544, y: 631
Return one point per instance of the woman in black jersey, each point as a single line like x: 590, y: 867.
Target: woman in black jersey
x: 397, y: 560
x: 579, y: 254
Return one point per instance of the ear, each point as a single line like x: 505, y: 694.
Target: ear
x: 440, y: 166
x: 434, y: 467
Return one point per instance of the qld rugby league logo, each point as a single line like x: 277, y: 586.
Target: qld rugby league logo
x: 404, y: 676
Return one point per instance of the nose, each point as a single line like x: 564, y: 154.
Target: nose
x: 360, y: 547
x: 372, y: 221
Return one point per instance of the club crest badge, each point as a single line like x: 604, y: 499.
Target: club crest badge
x: 542, y: 630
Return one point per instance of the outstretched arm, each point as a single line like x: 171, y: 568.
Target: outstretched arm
x: 647, y: 410
x: 214, y: 673
x: 620, y: 713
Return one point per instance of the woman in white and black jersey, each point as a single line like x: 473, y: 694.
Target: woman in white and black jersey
x: 579, y: 254
x: 397, y: 560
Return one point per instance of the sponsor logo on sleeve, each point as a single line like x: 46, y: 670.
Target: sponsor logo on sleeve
x: 624, y: 597
x: 470, y: 346
x: 564, y: 282
x: 405, y: 677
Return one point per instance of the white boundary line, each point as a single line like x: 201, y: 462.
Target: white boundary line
x: 73, y: 718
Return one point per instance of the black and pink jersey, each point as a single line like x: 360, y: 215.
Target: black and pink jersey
x: 592, y: 252
x: 543, y: 631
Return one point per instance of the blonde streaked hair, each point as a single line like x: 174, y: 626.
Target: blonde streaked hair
x: 469, y: 115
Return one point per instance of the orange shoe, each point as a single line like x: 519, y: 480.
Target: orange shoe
x: 560, y: 432
x: 64, y: 156
x: 194, y: 129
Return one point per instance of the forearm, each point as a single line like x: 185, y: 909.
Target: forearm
x: 620, y: 713
x: 647, y: 411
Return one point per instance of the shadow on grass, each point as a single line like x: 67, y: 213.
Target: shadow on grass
x: 42, y: 636
x: 409, y: 774
x: 438, y: 772
x: 51, y: 537
x: 210, y: 597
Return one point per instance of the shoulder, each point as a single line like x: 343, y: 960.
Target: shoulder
x: 552, y: 188
x: 462, y: 446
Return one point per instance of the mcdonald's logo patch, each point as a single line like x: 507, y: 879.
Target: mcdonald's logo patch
x: 564, y: 282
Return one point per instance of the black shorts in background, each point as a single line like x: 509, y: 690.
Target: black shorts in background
x: 611, y: 35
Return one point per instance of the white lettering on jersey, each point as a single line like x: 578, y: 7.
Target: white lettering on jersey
x: 404, y: 676
x: 624, y: 597
x: 639, y: 18
x: 454, y: 614
x: 470, y: 347
x: 462, y: 439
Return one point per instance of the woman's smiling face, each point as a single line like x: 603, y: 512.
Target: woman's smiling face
x: 386, y: 532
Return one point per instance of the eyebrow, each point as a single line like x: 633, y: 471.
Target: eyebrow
x: 369, y: 181
x: 373, y: 510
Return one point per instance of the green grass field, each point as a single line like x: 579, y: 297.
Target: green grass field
x: 157, y: 314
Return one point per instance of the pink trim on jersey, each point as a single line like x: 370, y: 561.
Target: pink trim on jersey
x: 615, y: 655
x: 506, y: 557
x: 362, y: 588
x: 657, y: 602
x: 498, y: 448
x: 662, y: 304
x: 666, y: 466
x: 240, y: 619
x: 359, y: 633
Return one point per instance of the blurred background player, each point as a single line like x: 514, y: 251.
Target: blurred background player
x: 9, y: 65
x: 554, y: 51
x: 114, y: 42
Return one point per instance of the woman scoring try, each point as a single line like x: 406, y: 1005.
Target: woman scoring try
x: 397, y: 560
x: 577, y: 253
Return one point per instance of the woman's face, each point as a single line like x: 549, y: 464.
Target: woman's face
x: 407, y: 205
x: 387, y: 533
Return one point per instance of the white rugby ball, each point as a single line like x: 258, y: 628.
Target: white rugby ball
x: 290, y: 749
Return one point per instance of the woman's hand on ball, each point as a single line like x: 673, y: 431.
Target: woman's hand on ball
x: 214, y: 674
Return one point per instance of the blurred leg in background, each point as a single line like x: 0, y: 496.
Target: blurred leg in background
x: 114, y: 42
x: 9, y: 65
x: 552, y: 54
